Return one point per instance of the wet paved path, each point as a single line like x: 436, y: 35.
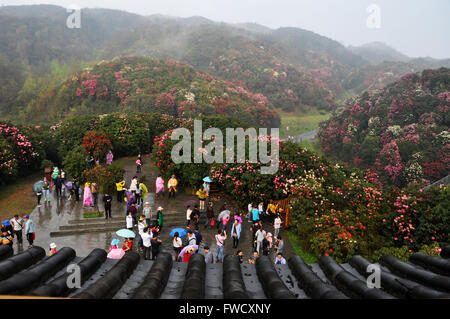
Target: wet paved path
x: 62, y: 221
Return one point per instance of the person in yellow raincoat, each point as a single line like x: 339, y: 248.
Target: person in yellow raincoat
x: 120, y: 191
x: 172, y: 186
x: 144, y: 191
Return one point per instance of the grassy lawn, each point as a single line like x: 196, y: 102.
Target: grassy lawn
x: 307, y: 257
x: 18, y: 198
x: 314, y: 147
x: 301, y: 122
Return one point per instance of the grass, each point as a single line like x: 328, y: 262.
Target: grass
x: 18, y: 197
x: 301, y: 122
x: 307, y: 257
x: 93, y: 215
x: 314, y: 147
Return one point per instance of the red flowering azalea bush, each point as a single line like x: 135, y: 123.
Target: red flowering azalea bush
x: 106, y: 176
x: 96, y: 144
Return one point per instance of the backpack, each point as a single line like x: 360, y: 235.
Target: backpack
x: 198, y: 237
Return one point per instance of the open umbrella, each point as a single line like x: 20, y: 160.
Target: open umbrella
x: 38, y: 186
x: 68, y: 185
x: 180, y: 231
x: 191, y: 202
x: 207, y: 179
x: 125, y: 233
x: 194, y: 247
x: 223, y: 213
x: 116, y: 253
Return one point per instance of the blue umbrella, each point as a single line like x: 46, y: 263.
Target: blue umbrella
x: 180, y: 231
x: 126, y: 233
x: 114, y: 242
x: 38, y: 186
x: 207, y: 179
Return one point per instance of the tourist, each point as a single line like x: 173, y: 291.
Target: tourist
x: 139, y: 164
x: 127, y: 245
x: 144, y: 191
x: 198, y: 237
x: 261, y: 208
x: 279, y: 260
x: 260, y: 235
x: 129, y: 221
x: 76, y: 189
x: 236, y: 233
x: 109, y: 158
x: 209, y: 216
x: 17, y: 224
x: 113, y: 245
x: 29, y: 230
x: 159, y: 187
x: 148, y: 214
x: 195, y: 217
x: 146, y: 242
x: 55, y: 175
x: 155, y: 244
x: 272, y: 209
x: 209, y: 259
x: 187, y: 255
x: 177, y: 245
x: 201, y: 193
x: 249, y: 214
x: 188, y: 215
x: 256, y: 215
x: 133, y: 210
x: 89, y: 160
x: 279, y: 245
x: 220, y: 241
x: 138, y: 195
x: 238, y: 218
x: 46, y: 189
x: 134, y: 185
x: 252, y: 259
x: 107, y: 200
x: 87, y: 195
x: 94, y: 190
x: 191, y: 240
x: 120, y: 191
x: 58, y: 185
x: 172, y: 186
x: 155, y: 230
x: 141, y: 226
x: 277, y: 225
x: 267, y: 244
x: 225, y: 220
x: 160, y: 217
x: 6, y: 238
x: 52, y: 249
x: 240, y: 255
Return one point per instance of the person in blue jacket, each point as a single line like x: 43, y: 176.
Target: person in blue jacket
x: 256, y: 215
x: 29, y: 230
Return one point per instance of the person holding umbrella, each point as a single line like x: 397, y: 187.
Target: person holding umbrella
x: 177, y: 245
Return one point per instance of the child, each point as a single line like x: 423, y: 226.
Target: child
x: 52, y: 249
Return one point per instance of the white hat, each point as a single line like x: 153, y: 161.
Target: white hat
x: 52, y: 245
x: 160, y: 208
x: 269, y: 234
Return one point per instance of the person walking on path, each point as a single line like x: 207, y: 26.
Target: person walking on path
x: 188, y: 215
x: 236, y: 233
x: 141, y: 226
x: 148, y: 214
x: 279, y: 245
x: 160, y: 217
x: 107, y: 199
x: 155, y: 244
x: 144, y: 191
x: 129, y: 221
x: 260, y: 235
x: 209, y: 259
x: 220, y: 242
x: 76, y: 189
x: 39, y: 196
x: 29, y: 230
x: 139, y: 164
x: 277, y: 225
x: 249, y: 214
x: 177, y: 245
x: 87, y: 195
x: 159, y: 186
x: 279, y: 260
x: 225, y: 220
x: 172, y: 186
x: 94, y: 190
x: 195, y: 217
x: 240, y: 255
x: 46, y: 189
x: 58, y: 186
x: 109, y: 158
x: 201, y: 193
x: 191, y: 239
x: 146, y: 242
x: 267, y: 244
x: 256, y: 215
x: 132, y: 209
x: 120, y: 191
x: 17, y: 224
x: 209, y: 215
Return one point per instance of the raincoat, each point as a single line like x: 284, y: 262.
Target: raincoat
x: 159, y: 185
x: 87, y: 197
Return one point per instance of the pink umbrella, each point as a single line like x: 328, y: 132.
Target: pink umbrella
x: 116, y: 253
x: 195, y: 247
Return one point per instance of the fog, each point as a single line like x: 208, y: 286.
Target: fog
x: 414, y: 27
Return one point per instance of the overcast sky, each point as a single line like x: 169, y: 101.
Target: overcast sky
x: 414, y: 27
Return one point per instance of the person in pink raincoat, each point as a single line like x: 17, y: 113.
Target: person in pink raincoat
x: 87, y: 195
x: 159, y: 186
x: 109, y: 158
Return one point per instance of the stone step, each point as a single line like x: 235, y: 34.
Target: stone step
x: 108, y: 224
x: 94, y: 220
